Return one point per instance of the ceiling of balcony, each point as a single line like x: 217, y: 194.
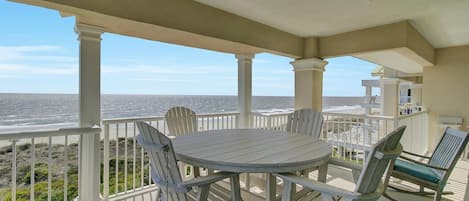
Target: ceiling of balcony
x: 442, y: 23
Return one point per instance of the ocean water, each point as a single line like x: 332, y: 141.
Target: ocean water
x: 21, y: 112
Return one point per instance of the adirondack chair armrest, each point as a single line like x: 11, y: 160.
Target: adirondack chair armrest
x: 325, y: 188
x: 207, y: 180
x: 424, y: 164
x: 346, y: 164
x: 414, y: 154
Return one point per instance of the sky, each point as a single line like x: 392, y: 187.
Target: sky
x: 39, y: 54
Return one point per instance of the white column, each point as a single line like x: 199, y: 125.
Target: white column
x: 308, y: 83
x: 89, y: 103
x: 389, y: 96
x: 369, y: 89
x: 244, y: 88
x: 416, y: 94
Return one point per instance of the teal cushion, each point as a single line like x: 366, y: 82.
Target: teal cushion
x: 416, y: 170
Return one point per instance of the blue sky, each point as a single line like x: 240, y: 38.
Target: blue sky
x: 39, y: 54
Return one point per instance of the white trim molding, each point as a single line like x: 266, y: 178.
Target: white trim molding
x: 389, y: 81
x: 309, y: 64
x: 89, y: 32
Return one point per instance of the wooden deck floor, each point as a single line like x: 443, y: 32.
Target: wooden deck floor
x: 343, y: 179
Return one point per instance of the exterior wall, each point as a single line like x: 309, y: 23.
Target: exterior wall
x: 446, y: 90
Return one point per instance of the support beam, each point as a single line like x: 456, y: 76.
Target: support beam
x: 308, y: 83
x: 389, y: 96
x: 89, y: 98
x: 244, y: 88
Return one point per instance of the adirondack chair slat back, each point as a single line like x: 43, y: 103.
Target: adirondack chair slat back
x: 382, y: 153
x: 163, y: 162
x: 181, y: 121
x: 305, y: 121
x: 449, y: 149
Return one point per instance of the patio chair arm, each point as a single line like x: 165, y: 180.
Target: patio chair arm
x: 343, y: 163
x: 207, y: 180
x: 424, y: 164
x: 328, y: 189
x: 414, y: 154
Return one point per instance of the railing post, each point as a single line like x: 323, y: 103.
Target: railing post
x: 89, y: 103
x: 106, y: 163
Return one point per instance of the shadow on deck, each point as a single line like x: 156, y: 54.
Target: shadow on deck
x: 341, y: 178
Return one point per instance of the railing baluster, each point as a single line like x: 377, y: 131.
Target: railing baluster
x: 66, y: 169
x: 33, y: 169
x: 13, y: 170
x: 125, y: 156
x: 117, y: 159
x: 134, y: 162
x: 106, y: 163
x: 49, y: 170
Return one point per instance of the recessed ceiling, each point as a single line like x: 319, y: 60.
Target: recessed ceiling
x: 442, y: 22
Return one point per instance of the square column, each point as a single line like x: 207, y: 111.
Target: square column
x: 308, y: 83
x: 390, y: 96
x: 244, y: 88
x: 90, y: 109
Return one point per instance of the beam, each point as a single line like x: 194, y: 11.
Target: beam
x: 401, y: 38
x: 197, y: 21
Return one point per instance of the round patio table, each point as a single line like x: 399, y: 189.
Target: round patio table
x: 253, y: 151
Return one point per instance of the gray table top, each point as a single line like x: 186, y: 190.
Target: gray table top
x: 251, y: 150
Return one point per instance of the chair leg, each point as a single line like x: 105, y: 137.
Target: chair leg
x: 235, y: 188
x: 203, y: 193
x: 438, y: 195
x: 287, y: 190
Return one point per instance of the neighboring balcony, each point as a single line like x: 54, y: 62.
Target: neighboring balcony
x: 125, y: 167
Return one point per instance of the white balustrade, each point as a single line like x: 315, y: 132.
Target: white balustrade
x: 131, y: 156
x: 54, y: 149
x: 125, y: 164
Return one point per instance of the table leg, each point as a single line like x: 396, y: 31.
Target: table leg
x: 322, y: 173
x: 270, y: 187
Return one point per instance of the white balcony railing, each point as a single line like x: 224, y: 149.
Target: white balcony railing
x: 353, y: 135
x: 125, y: 164
x: 125, y: 167
x: 43, y: 164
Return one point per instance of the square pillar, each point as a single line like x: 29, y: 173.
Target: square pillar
x: 308, y: 83
x: 89, y: 38
x: 390, y: 96
x: 244, y: 88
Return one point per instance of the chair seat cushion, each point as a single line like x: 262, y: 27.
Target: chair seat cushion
x: 416, y: 170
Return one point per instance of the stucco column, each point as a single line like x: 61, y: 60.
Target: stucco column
x: 244, y: 88
x: 369, y: 89
x: 308, y: 83
x: 416, y: 94
x: 89, y: 103
x: 389, y: 96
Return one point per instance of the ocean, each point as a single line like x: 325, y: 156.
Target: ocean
x: 23, y: 112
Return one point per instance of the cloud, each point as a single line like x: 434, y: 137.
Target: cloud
x: 159, y: 79
x: 21, y: 69
x: 19, y: 54
x: 169, y: 70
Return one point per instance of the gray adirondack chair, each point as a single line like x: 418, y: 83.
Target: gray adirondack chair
x: 182, y: 121
x: 168, y: 178
x: 306, y: 122
x: 368, y: 186
x: 433, y: 173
